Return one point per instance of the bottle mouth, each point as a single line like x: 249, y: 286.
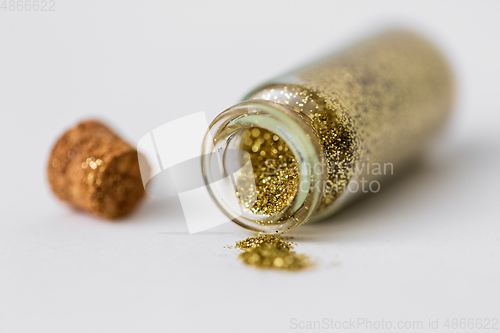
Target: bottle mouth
x: 236, y: 153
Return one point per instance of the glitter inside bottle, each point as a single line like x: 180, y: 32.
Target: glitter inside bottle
x: 347, y: 119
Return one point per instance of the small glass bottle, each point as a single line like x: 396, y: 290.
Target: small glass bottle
x: 348, y: 119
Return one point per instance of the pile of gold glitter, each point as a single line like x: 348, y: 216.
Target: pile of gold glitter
x: 275, y: 170
x: 272, y: 252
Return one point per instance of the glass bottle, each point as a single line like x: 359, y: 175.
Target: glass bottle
x: 320, y: 135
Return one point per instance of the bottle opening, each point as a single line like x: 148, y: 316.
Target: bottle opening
x: 257, y: 162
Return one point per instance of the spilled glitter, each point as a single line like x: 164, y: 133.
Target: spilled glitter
x: 271, y: 252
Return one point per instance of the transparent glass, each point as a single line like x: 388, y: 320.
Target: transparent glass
x: 380, y: 102
x: 295, y: 129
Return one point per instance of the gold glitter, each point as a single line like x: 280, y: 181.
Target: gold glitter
x: 276, y: 181
x: 271, y: 252
x: 380, y: 102
x: 56, y: 163
x: 255, y: 132
x: 93, y: 165
x: 368, y: 109
x: 84, y: 165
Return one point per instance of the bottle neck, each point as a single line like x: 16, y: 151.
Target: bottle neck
x: 225, y: 156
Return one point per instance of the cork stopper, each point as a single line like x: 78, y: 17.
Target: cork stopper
x: 93, y: 169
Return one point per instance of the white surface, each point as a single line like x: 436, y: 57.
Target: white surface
x: 427, y: 247
x: 175, y: 131
x: 200, y: 212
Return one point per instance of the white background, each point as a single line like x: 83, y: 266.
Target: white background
x: 427, y: 247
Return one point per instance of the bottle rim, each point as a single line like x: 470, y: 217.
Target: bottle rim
x: 298, y: 133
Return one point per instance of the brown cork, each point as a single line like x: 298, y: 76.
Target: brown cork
x: 93, y: 169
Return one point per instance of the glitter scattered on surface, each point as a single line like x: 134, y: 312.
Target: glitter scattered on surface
x: 271, y: 252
